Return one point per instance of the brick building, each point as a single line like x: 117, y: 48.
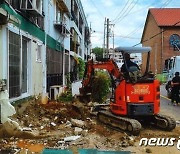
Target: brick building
x: 162, y: 33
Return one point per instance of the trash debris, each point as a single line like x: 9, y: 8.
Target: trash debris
x: 68, y: 124
x: 56, y: 118
x: 71, y: 138
x: 78, y: 123
x: 42, y: 127
x: 84, y: 132
x: 64, y: 128
x: 44, y: 99
x: 78, y: 131
x: 53, y: 124
x: 27, y: 129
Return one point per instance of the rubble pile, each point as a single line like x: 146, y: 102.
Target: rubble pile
x: 62, y: 125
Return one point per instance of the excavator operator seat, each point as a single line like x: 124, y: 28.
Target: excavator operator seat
x: 134, y: 73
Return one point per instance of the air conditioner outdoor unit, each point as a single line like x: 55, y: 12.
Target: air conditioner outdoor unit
x: 33, y: 7
x: 63, y: 28
x: 55, y: 92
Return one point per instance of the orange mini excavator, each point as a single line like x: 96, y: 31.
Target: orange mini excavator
x: 135, y: 97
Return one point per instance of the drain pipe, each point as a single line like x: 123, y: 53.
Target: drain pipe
x: 162, y: 48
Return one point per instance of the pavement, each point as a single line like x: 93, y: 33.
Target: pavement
x: 167, y: 107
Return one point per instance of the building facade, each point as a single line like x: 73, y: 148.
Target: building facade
x: 40, y: 41
x: 118, y: 58
x: 162, y: 33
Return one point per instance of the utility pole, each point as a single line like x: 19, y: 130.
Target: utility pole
x: 107, y: 39
x: 104, y: 50
x: 107, y: 35
x: 113, y: 36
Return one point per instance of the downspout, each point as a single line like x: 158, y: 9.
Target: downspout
x: 162, y: 48
x: 45, y: 65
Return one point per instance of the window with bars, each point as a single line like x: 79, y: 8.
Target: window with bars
x: 174, y: 42
x: 18, y: 65
x: 14, y: 65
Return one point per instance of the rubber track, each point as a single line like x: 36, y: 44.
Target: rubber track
x: 134, y: 123
x: 171, y: 121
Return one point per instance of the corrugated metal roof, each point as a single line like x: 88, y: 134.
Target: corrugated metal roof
x: 166, y: 16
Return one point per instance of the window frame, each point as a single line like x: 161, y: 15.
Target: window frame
x: 22, y: 36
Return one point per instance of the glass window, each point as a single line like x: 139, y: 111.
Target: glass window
x: 14, y: 65
x: 174, y: 42
x: 18, y: 65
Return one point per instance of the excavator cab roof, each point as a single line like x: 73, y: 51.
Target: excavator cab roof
x: 133, y: 49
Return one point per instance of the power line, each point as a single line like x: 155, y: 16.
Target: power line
x: 98, y: 10
x: 121, y: 11
x: 164, y: 4
x: 126, y: 37
x: 141, y: 25
x: 155, y: 35
x: 136, y: 30
x: 128, y: 10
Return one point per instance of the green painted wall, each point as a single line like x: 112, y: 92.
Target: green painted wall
x: 33, y: 30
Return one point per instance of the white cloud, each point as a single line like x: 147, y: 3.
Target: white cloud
x: 107, y: 3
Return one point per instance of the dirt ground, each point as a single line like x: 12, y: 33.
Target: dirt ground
x: 55, y: 121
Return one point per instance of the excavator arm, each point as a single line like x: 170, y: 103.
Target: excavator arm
x: 105, y: 64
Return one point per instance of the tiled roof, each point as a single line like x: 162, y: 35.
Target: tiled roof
x: 166, y: 16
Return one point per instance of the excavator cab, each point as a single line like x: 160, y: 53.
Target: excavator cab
x: 133, y: 72
x: 139, y: 93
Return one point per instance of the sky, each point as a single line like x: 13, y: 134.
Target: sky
x: 127, y: 16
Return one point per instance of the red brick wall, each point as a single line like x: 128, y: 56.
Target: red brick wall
x: 168, y: 51
x: 160, y: 44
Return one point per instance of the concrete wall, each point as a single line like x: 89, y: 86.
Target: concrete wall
x: 50, y: 18
x: 37, y: 73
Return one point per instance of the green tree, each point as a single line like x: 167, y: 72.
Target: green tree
x: 81, y: 67
x: 100, y: 87
x: 98, y: 52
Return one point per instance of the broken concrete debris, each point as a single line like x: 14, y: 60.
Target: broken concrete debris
x: 71, y: 138
x: 68, y: 124
x: 78, y: 131
x: 7, y: 109
x: 64, y: 127
x: 52, y: 124
x: 11, y: 127
x: 78, y: 123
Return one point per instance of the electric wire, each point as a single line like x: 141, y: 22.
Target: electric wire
x: 126, y: 13
x: 155, y: 35
x: 141, y: 25
x: 136, y: 30
x: 98, y: 10
x: 121, y: 11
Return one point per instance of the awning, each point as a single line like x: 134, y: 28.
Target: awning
x: 133, y: 49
